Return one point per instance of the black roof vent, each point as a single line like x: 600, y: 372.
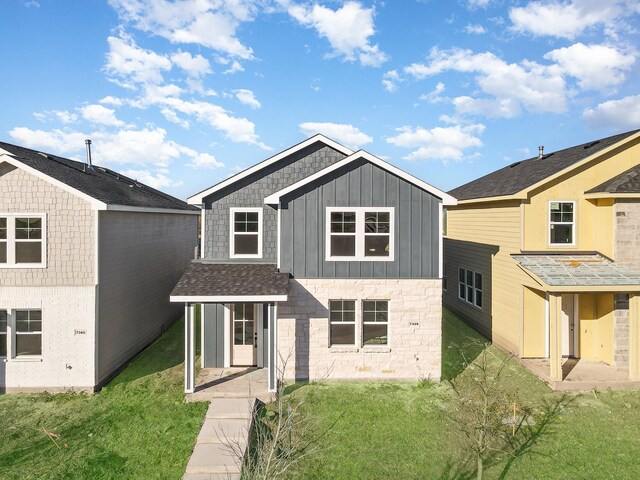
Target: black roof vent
x: 514, y: 164
x: 547, y: 155
x: 591, y: 144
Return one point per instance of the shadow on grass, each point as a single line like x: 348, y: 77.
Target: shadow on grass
x: 461, y: 344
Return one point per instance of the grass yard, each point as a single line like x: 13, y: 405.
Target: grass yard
x: 405, y: 431
x: 136, y: 427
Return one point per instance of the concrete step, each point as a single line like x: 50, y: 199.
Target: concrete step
x: 231, y: 408
x: 212, y: 458
x: 224, y: 430
x: 211, y: 476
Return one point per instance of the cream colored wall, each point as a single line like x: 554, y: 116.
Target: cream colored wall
x: 70, y: 230
x: 594, y: 219
x: 534, y: 324
x: 495, y: 224
x: 596, y: 323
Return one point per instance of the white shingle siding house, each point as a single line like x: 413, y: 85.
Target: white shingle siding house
x: 328, y: 258
x: 87, y: 260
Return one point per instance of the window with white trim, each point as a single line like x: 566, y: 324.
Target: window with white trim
x: 246, y: 232
x: 375, y: 322
x: 22, y: 241
x: 562, y: 223
x: 28, y: 332
x: 3, y: 333
x: 470, y: 287
x: 360, y: 233
x: 342, y: 322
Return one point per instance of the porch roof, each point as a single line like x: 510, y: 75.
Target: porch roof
x: 588, y: 271
x: 231, y: 282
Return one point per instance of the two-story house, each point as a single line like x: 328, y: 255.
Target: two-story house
x: 88, y: 258
x: 322, y: 259
x: 542, y: 257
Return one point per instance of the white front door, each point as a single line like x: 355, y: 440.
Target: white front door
x: 245, y: 342
x: 568, y: 325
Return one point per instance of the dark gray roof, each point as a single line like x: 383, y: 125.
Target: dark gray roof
x: 578, y: 270
x: 231, y: 279
x: 626, y: 182
x: 100, y: 183
x: 520, y: 175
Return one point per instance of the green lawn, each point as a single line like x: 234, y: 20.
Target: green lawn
x: 136, y: 427
x: 405, y: 431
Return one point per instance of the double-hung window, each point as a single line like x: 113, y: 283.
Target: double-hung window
x: 4, y: 318
x: 246, y: 233
x: 360, y: 233
x: 375, y: 322
x: 22, y: 241
x: 470, y: 287
x: 562, y: 223
x: 342, y: 321
x: 28, y: 336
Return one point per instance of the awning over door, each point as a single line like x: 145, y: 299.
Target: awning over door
x: 231, y: 282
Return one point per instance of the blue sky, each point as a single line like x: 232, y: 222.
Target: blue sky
x: 182, y: 94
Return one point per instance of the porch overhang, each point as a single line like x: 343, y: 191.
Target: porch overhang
x: 231, y: 282
x: 578, y: 273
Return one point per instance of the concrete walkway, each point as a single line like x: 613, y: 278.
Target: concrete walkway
x: 232, y: 394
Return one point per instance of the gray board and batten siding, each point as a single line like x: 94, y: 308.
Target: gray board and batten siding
x: 251, y: 192
x: 360, y: 184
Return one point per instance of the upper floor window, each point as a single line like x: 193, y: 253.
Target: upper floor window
x: 22, y: 241
x: 246, y: 233
x: 562, y: 223
x: 359, y: 233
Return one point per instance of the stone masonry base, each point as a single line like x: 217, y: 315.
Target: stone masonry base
x: 415, y: 334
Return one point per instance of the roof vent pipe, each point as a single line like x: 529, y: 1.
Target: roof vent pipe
x: 87, y: 142
x: 540, y: 151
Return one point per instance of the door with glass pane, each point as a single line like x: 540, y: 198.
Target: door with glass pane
x: 245, y: 338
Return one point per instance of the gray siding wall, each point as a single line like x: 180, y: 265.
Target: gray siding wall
x: 141, y: 258
x: 213, y: 334
x: 251, y: 191
x: 360, y: 184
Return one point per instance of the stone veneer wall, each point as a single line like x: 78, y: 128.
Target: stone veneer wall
x: 627, y: 252
x: 415, y: 333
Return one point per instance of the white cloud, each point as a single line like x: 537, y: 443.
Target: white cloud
x: 564, y: 19
x: 390, y: 80
x: 109, y: 100
x: 247, y: 97
x: 622, y: 114
x: 154, y: 180
x: 439, y: 143
x: 341, y: 133
x: 529, y: 85
x: 211, y: 24
x: 234, y: 68
x: 475, y: 29
x: 434, y: 95
x: 101, y: 115
x: 173, y: 117
x: 205, y: 160
x: 194, y: 66
x: 63, y: 116
x: 128, y: 64
x: 473, y: 4
x: 488, y: 107
x: 347, y: 29
x: 595, y: 66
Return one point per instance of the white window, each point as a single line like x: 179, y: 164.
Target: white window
x: 3, y: 333
x: 246, y: 233
x: 470, y: 287
x: 375, y: 322
x: 359, y: 233
x: 22, y: 241
x: 562, y: 223
x: 342, y: 322
x: 28, y: 332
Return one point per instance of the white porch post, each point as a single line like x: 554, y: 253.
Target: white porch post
x: 634, y: 336
x: 273, y: 349
x: 189, y: 348
x: 555, y: 336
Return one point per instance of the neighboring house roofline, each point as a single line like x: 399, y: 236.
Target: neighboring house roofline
x: 198, y: 198
x: 524, y: 192
x: 274, y: 198
x: 127, y: 208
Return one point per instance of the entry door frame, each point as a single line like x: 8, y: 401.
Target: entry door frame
x: 229, y: 333
x: 574, y: 350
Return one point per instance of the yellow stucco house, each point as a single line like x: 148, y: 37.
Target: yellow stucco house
x: 543, y: 258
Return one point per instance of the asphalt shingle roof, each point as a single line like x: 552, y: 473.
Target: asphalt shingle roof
x: 100, y: 183
x: 580, y: 270
x: 520, y: 175
x: 231, y: 279
x: 626, y: 182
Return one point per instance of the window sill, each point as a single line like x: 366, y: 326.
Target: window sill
x: 343, y: 349
x: 359, y: 259
x: 23, y: 359
x: 376, y: 349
